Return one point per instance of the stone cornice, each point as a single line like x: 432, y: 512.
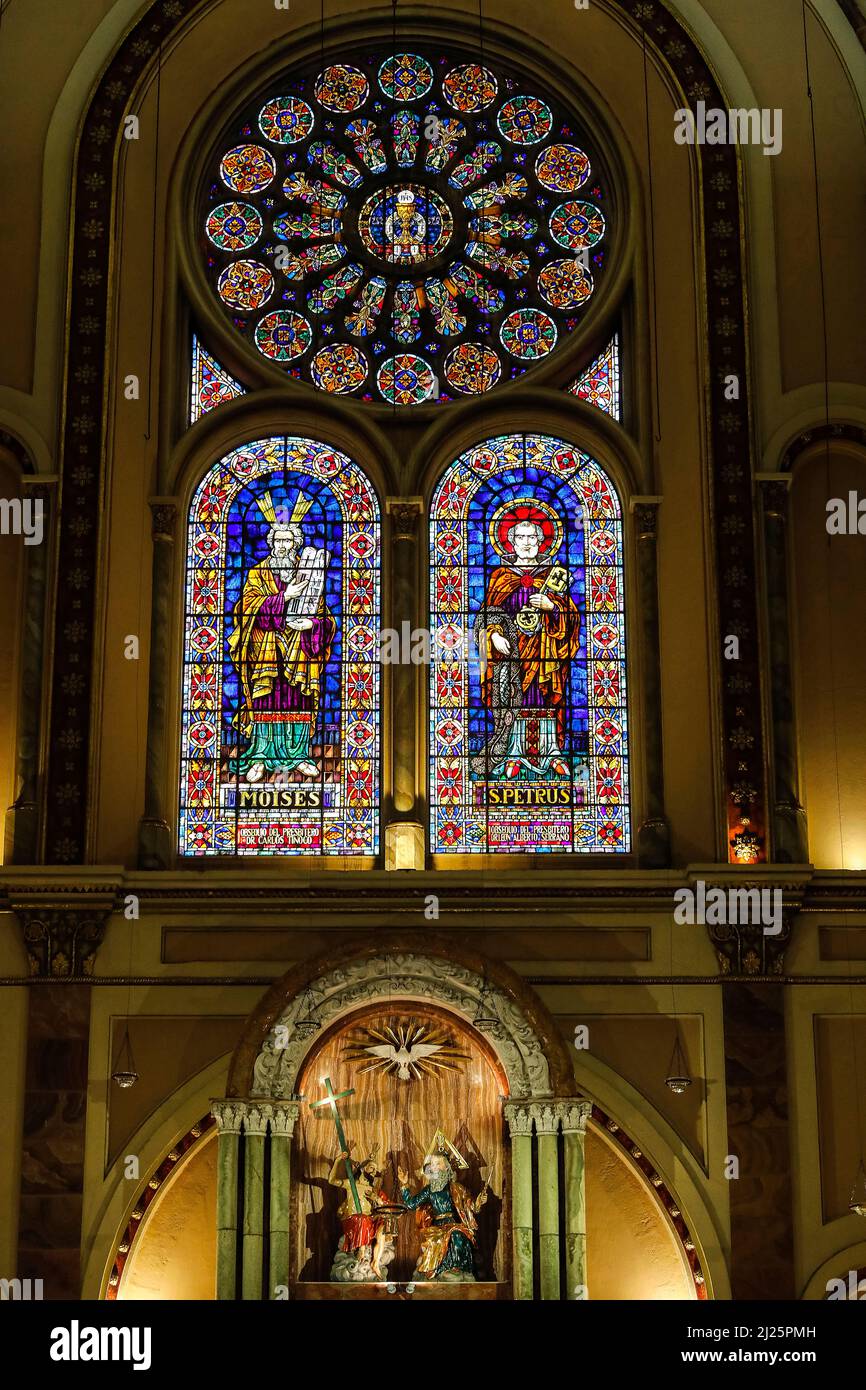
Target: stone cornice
x: 299, y: 893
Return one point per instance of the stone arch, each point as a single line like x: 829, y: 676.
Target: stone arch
x: 409, y: 966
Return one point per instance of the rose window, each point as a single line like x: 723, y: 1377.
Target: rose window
x: 406, y: 229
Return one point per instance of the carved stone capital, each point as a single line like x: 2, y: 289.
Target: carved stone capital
x: 284, y: 1117
x: 404, y: 513
x: 163, y: 513
x: 574, y: 1115
x: 746, y: 949
x: 256, y: 1117
x: 546, y: 1117
x: 518, y: 1117
x: 228, y: 1115
x: 61, y: 942
x: 775, y: 491
x: 645, y: 512
x: 40, y: 486
x: 63, y: 918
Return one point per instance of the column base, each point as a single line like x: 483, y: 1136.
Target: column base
x: 21, y: 833
x: 155, y: 845
x: 404, y: 845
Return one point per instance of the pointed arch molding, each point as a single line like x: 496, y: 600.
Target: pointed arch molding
x: 87, y: 352
x: 407, y: 966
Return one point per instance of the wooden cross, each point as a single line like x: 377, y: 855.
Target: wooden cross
x: 331, y: 1100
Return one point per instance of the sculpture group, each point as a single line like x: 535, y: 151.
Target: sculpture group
x: 445, y: 1213
x: 446, y: 1216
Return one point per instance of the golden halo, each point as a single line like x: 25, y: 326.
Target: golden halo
x: 525, y: 509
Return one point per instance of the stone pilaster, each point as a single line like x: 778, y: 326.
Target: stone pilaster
x: 518, y: 1117
x: 229, y: 1117
x: 283, y: 1118
x: 653, y: 836
x: 573, y: 1117
x: 546, y: 1116
x: 790, y: 834
x: 155, y: 846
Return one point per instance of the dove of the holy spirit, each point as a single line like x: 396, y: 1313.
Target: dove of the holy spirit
x: 407, y: 1049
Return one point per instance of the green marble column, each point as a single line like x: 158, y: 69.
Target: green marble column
x: 256, y: 1118
x: 519, y: 1120
x: 574, y: 1115
x: 546, y: 1116
x: 283, y: 1119
x: 228, y: 1115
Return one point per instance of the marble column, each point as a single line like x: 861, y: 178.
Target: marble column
x: 574, y: 1115
x: 519, y: 1120
x: 790, y: 837
x: 546, y: 1116
x: 653, y: 837
x: 155, y: 846
x: 256, y: 1117
x: 22, y: 817
x: 228, y: 1115
x: 282, y: 1128
x: 401, y: 804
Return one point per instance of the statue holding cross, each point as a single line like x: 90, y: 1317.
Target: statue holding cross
x: 366, y: 1245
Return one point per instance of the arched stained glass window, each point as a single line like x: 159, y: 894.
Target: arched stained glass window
x: 404, y: 229
x: 280, y: 732
x: 528, y: 715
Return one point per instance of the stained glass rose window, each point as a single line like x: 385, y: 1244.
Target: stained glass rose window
x: 406, y: 228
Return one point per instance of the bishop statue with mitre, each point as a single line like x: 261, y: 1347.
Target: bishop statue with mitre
x: 280, y: 643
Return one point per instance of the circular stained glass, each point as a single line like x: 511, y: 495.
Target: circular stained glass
x: 528, y: 333
x: 470, y: 87
x: 283, y: 335
x: 413, y: 237
x: 286, y: 120
x: 341, y: 88
x: 577, y: 225
x: 245, y: 285
x: 525, y: 120
x: 247, y: 169
x: 405, y: 224
x: 340, y: 368
x: 234, y: 226
x: 408, y: 77
x: 564, y: 284
x: 472, y: 368
x: 406, y: 379
x: 562, y: 168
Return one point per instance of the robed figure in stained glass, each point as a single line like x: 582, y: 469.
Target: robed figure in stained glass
x: 280, y: 643
x: 527, y: 634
